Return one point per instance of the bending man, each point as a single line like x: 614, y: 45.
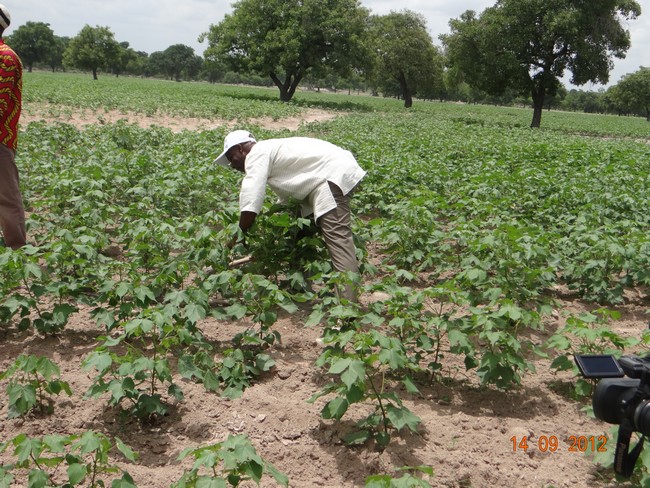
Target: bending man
x: 319, y: 174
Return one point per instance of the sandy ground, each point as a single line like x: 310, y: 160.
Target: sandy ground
x: 466, y: 432
x: 37, y: 112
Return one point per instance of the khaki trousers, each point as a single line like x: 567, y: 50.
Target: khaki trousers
x: 335, y: 226
x: 12, y: 212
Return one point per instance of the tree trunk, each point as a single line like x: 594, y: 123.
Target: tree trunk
x: 288, y: 87
x: 94, y: 73
x: 538, y: 93
x: 406, y: 92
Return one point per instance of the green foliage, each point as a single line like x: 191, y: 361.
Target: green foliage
x: 603, y: 268
x: 74, y: 460
x: 287, y: 39
x: 239, y: 367
x: 467, y: 233
x: 287, y: 248
x: 504, y: 47
x: 422, y: 320
x: 363, y: 365
x: 247, y: 359
x: 632, y: 93
x: 33, y: 380
x: 178, y: 60
x: 38, y: 287
x: 93, y: 48
x: 405, y: 53
x: 504, y: 355
x: 141, y: 366
x: 587, y: 333
x: 500, y: 226
x: 131, y: 95
x: 227, y: 463
x: 33, y: 42
x: 407, y: 480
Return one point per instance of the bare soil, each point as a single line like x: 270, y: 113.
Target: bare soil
x: 37, y: 112
x: 465, y: 436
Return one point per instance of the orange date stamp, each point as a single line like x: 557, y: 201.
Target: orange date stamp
x: 550, y: 443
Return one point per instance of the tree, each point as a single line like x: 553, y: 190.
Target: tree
x: 284, y: 39
x: 175, y: 62
x: 93, y: 48
x: 556, y: 100
x: 55, y: 59
x: 633, y: 91
x: 137, y: 65
x: 179, y: 60
x: 214, y: 71
x: 123, y: 57
x: 155, y: 64
x: 405, y: 52
x: 34, y: 42
x: 528, y: 44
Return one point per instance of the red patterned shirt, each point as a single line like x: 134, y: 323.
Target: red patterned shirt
x: 11, y: 92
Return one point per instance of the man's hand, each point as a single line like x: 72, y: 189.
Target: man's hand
x: 246, y: 220
x: 233, y: 242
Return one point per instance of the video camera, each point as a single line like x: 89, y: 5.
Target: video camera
x: 622, y: 401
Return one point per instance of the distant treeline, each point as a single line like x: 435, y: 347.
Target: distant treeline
x: 96, y: 50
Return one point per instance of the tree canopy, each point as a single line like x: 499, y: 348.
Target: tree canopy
x: 34, y: 42
x: 529, y: 44
x: 512, y: 53
x: 632, y: 93
x: 284, y: 39
x: 93, y: 48
x: 176, y: 61
x: 405, y: 52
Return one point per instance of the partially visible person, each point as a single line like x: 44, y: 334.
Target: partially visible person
x: 12, y: 212
x: 316, y: 172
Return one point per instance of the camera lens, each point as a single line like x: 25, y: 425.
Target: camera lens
x: 610, y: 398
x: 642, y: 417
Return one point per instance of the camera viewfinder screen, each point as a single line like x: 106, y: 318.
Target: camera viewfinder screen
x: 599, y: 366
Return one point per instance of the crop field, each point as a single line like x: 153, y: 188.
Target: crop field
x: 132, y: 354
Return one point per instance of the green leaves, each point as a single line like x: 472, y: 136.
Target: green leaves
x: 587, y: 333
x: 228, y: 463
x: 407, y: 480
x: 466, y: 234
x: 84, y: 457
x: 351, y: 371
x: 32, y: 380
x: 335, y: 408
x: 22, y: 398
x: 361, y: 364
x: 401, y: 417
x: 135, y: 376
x: 289, y: 39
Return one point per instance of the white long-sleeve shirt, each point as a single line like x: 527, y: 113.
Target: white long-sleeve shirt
x: 298, y: 167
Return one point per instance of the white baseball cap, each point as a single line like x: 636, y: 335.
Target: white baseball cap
x: 5, y: 17
x: 231, y: 140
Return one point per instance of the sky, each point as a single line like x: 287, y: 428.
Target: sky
x: 154, y: 25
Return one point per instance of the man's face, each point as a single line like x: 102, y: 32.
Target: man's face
x: 237, y: 158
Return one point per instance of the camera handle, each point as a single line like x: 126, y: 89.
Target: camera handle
x: 624, y: 459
